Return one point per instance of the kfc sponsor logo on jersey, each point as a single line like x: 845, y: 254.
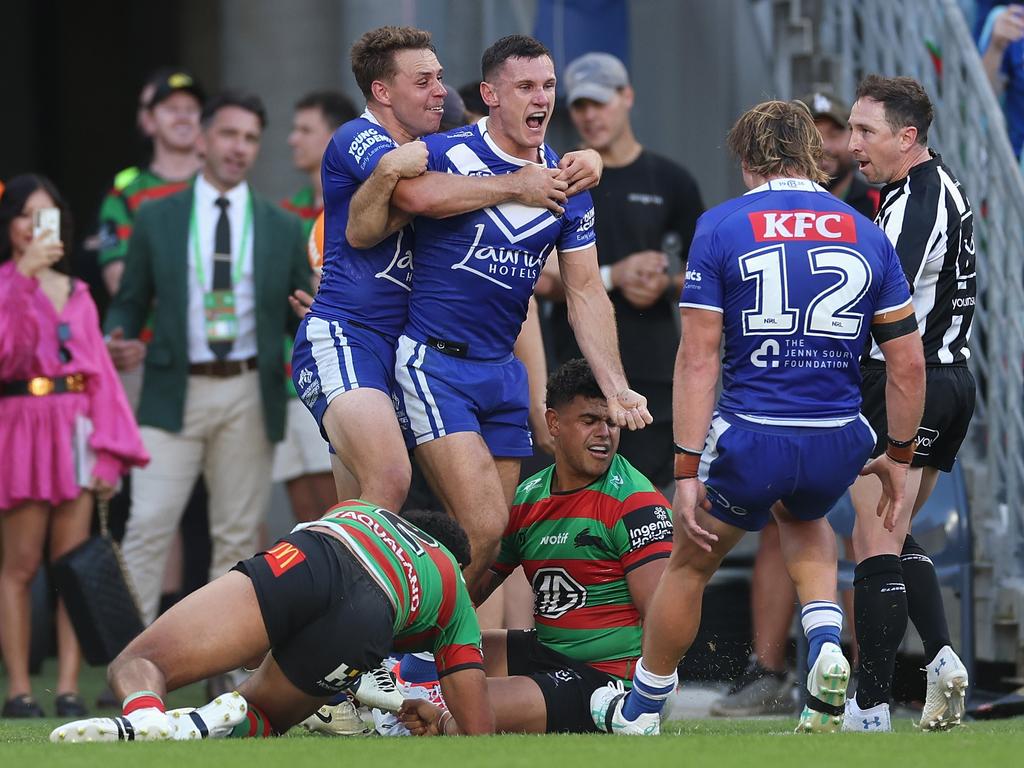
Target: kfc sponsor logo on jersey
x: 648, y: 525
x: 366, y: 143
x: 831, y: 226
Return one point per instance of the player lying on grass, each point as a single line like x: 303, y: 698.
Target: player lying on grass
x: 592, y: 535
x: 329, y: 601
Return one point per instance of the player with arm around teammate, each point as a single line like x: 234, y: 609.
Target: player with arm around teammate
x: 794, y: 280
x: 329, y: 601
x: 463, y: 392
x: 593, y: 535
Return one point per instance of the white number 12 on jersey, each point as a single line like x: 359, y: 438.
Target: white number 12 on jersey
x: 828, y: 314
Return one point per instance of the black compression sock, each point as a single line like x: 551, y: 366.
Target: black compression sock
x: 880, y: 615
x: 924, y: 598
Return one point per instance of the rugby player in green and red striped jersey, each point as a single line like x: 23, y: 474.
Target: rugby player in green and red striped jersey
x: 593, y: 536
x: 329, y: 601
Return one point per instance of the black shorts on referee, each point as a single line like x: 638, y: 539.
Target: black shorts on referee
x: 948, y: 407
x: 565, y: 682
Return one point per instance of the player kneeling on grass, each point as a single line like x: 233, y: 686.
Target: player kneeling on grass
x: 593, y: 536
x: 329, y: 601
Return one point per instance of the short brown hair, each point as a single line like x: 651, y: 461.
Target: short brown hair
x: 373, y: 54
x: 904, y: 101
x: 778, y: 138
x: 511, y: 47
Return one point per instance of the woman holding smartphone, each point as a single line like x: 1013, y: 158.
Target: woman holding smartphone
x: 66, y: 431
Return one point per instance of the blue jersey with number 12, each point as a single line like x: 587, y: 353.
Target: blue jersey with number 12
x: 798, y: 276
x: 475, y: 272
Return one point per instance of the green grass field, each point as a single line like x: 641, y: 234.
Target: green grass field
x: 703, y: 743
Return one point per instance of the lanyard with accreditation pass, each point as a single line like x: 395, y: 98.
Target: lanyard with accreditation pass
x: 219, y: 305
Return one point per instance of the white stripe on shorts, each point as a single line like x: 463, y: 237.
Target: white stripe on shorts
x: 326, y: 339
x: 408, y: 375
x: 718, y: 428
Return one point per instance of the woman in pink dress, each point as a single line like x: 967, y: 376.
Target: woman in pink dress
x: 58, y: 390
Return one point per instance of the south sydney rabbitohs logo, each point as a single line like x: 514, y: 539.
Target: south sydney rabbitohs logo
x: 556, y: 593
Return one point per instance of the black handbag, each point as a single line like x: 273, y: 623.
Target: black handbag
x: 98, y: 594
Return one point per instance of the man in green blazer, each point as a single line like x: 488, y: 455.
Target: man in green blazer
x: 216, y: 264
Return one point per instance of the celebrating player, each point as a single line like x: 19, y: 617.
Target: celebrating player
x: 464, y: 393
x: 794, y: 279
x: 343, y: 362
x: 329, y: 601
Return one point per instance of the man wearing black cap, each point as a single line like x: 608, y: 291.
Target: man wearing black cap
x: 169, y: 108
x: 832, y: 117
x: 647, y: 208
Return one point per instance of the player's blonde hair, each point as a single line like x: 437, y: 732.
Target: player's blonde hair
x: 778, y: 138
x: 373, y: 54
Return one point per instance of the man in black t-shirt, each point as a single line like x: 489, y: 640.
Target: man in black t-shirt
x: 646, y: 210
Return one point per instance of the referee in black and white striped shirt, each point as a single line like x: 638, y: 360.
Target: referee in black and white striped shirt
x: 928, y: 218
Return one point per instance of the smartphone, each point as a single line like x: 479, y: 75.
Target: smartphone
x: 46, y: 219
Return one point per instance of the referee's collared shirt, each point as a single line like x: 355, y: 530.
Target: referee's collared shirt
x: 928, y: 219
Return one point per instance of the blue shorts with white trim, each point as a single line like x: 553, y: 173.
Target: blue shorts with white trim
x: 335, y: 356
x: 442, y: 394
x: 747, y: 467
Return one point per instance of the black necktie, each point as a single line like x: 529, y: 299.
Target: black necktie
x: 222, y: 267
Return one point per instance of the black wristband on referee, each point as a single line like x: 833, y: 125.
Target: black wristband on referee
x: 685, y: 451
x: 901, y: 452
x: 900, y: 443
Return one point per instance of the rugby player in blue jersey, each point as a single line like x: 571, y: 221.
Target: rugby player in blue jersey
x: 343, y: 361
x: 464, y: 393
x: 794, y: 279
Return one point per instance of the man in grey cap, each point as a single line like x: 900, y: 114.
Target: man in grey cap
x: 832, y: 116
x: 647, y: 208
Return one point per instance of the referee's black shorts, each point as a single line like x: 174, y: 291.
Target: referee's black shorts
x: 948, y: 407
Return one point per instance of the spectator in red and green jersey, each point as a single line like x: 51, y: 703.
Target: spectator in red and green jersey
x: 593, y: 536
x: 170, y: 117
x: 300, y: 461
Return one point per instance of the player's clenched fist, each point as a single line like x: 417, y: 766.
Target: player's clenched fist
x: 406, y: 161
x: 629, y: 409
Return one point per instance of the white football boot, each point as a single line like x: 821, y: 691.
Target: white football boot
x: 826, y: 682
x: 215, y: 720
x: 947, y: 692
x: 341, y: 719
x: 874, y: 719
x: 376, y: 689
x: 606, y: 710
x: 149, y: 724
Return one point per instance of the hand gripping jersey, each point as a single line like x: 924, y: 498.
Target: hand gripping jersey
x: 475, y: 272
x: 421, y: 578
x: 576, y: 549
x: 798, y: 276
x: 368, y: 286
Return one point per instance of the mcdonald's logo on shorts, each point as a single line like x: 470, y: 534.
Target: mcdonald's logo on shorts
x: 283, y: 556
